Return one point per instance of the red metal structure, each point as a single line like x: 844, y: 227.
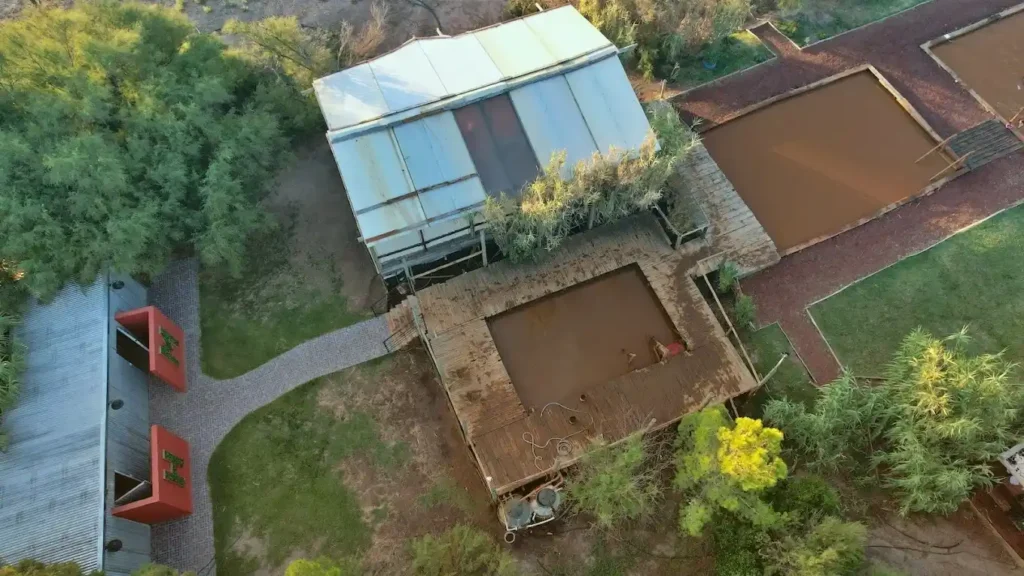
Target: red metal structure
x: 170, y: 475
x: 164, y: 340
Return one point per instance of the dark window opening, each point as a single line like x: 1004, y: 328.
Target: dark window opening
x: 128, y: 489
x: 132, y: 349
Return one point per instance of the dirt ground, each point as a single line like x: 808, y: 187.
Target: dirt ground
x: 812, y: 165
x: 560, y: 345
x: 990, y: 60
x: 323, y: 245
x: 438, y: 487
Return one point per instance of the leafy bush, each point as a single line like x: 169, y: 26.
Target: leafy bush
x: 666, y: 32
x: 281, y: 44
x: 322, y: 567
x: 605, y: 189
x: 805, y: 497
x: 737, y: 544
x: 931, y: 427
x: 728, y: 273
x: 12, y: 359
x: 460, y: 551
x: 129, y: 138
x: 35, y: 568
x: 744, y: 311
x: 725, y: 464
x: 830, y: 547
x: 617, y: 482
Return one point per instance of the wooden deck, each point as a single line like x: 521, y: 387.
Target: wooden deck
x: 494, y: 420
x: 733, y: 230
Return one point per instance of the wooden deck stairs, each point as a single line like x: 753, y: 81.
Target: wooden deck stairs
x: 984, y: 143
x: 402, y: 324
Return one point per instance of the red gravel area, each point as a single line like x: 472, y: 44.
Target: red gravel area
x: 783, y: 291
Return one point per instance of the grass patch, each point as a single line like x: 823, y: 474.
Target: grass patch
x: 765, y: 347
x: 973, y: 278
x: 820, y: 19
x: 271, y: 308
x: 275, y: 477
x: 445, y: 492
x: 733, y: 53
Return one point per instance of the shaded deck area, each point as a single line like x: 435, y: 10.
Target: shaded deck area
x: 496, y: 423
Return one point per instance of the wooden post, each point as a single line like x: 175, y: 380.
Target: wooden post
x: 957, y: 165
x: 1017, y: 115
x: 483, y: 246
x: 937, y: 146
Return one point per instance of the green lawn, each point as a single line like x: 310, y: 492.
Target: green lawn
x: 275, y: 479
x: 735, y: 52
x: 820, y: 19
x: 974, y: 278
x: 272, y: 307
x: 765, y: 347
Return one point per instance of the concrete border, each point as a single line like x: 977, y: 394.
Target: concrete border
x: 927, y: 47
x: 903, y: 103
x: 865, y: 25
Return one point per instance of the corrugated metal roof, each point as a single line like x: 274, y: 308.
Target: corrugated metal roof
x: 429, y: 70
x: 422, y: 135
x: 51, y: 478
x: 606, y: 99
x: 553, y: 122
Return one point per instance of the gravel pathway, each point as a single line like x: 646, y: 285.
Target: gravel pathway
x: 783, y: 291
x: 211, y: 408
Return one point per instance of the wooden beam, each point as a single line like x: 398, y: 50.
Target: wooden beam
x: 937, y: 146
x: 958, y: 164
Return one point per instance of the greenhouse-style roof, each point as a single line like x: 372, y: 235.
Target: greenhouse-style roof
x: 423, y: 134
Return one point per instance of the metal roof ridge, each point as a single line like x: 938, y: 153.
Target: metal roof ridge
x: 460, y: 100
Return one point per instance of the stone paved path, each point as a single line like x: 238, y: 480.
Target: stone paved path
x: 211, y: 408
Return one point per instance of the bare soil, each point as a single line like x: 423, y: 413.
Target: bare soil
x: 783, y: 291
x: 990, y: 60
x: 811, y: 165
x: 558, y: 346
x: 323, y: 245
x: 409, y: 406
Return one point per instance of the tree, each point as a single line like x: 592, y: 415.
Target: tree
x: 127, y: 138
x: 722, y: 464
x: 281, y: 44
x: 322, y: 567
x: 460, y: 551
x: 931, y: 428
x: 830, y: 547
x: 12, y: 354
x: 616, y: 482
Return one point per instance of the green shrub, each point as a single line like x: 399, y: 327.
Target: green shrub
x: 460, y: 551
x: 744, y: 311
x: 728, y: 274
x: 737, y: 544
x: 830, y: 547
x: 159, y: 570
x: 721, y: 464
x: 805, y: 497
x: 930, y: 427
x: 614, y: 483
x: 36, y: 568
x: 322, y: 567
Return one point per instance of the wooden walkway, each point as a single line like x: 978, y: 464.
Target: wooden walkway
x: 496, y: 424
x: 733, y: 231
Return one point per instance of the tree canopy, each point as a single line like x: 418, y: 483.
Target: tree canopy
x: 931, y: 427
x: 126, y: 138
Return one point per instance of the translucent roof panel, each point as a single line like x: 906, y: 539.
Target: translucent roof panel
x: 446, y: 230
x: 461, y: 63
x: 553, y: 122
x: 406, y: 78
x: 496, y: 141
x: 433, y: 150
x: 371, y: 169
x: 451, y: 199
x: 514, y: 49
x: 566, y: 33
x: 609, y: 106
x: 350, y: 97
x: 385, y: 220
x: 399, y: 245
